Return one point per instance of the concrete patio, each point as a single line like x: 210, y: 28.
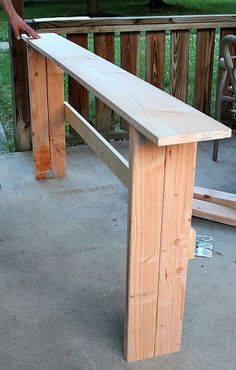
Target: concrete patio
x: 62, y: 269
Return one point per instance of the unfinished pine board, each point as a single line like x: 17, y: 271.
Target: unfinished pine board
x: 214, y: 212
x: 130, y: 48
x: 155, y: 58
x: 55, y: 96
x: 179, y: 64
x: 39, y: 113
x: 144, y: 237
x: 204, y: 68
x: 175, y: 230
x: 104, y: 47
x: 215, y: 196
x: 98, y: 144
x: 192, y: 243
x: 161, y: 118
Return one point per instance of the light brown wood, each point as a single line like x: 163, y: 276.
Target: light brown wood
x: 104, y: 47
x: 39, y: 113
x: 55, y: 96
x: 192, y: 243
x: 155, y: 58
x: 160, y: 117
x: 175, y: 231
x: 214, y: 212
x: 113, y: 159
x: 215, y: 196
x: 144, y: 237
x: 179, y: 64
x: 204, y: 67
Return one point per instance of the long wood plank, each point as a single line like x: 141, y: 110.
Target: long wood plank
x: 214, y: 212
x: 129, y: 24
x: 176, y: 222
x: 215, y: 196
x: 101, y: 147
x: 39, y: 113
x: 160, y: 117
x: 204, y: 67
x: 144, y: 243
x: 179, y: 64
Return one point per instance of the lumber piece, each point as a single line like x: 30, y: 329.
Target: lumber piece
x: 192, y: 242
x: 215, y: 196
x: 55, y: 97
x: 204, y: 67
x: 39, y: 113
x: 158, y: 116
x: 155, y: 58
x: 96, y: 141
x: 128, y: 24
x: 214, y: 212
x: 144, y: 244
x: 179, y: 64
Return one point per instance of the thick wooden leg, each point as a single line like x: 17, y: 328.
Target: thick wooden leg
x: 47, y: 116
x: 55, y: 88
x: 160, y: 206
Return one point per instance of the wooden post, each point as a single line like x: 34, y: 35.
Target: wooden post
x: 160, y: 207
x: 47, y: 116
x: 20, y: 91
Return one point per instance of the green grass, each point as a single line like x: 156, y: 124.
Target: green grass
x: 124, y: 8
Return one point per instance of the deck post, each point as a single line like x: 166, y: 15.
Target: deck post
x: 160, y: 208
x: 47, y: 116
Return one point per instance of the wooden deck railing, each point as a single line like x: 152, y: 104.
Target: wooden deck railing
x: 169, y: 49
x: 160, y: 176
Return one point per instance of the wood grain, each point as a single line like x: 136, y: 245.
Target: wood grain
x: 104, y: 150
x: 157, y: 115
x: 104, y: 47
x: 130, y: 49
x: 131, y: 24
x: 55, y: 97
x: 179, y: 64
x: 204, y: 69
x: 39, y: 113
x: 175, y: 231
x: 215, y: 196
x: 155, y: 58
x: 214, y: 212
x: 20, y: 88
x: 144, y: 237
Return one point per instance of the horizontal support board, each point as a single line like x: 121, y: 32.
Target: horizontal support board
x: 160, y: 117
x: 214, y: 212
x: 215, y: 196
x: 104, y: 150
x: 113, y: 24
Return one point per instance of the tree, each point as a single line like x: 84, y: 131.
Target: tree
x: 92, y: 7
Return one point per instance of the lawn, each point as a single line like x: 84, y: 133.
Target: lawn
x: 122, y: 8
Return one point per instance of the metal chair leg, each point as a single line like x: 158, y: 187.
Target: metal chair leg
x: 215, y: 150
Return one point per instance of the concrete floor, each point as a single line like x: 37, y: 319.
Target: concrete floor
x: 62, y: 268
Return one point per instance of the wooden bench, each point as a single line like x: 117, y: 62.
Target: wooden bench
x: 160, y: 176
